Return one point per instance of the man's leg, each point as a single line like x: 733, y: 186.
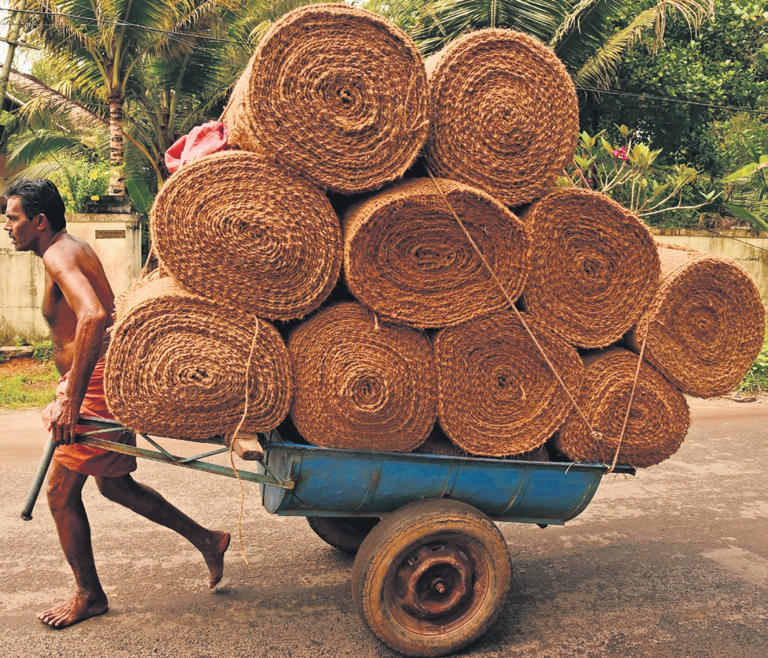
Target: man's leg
x: 150, y: 504
x: 64, y: 499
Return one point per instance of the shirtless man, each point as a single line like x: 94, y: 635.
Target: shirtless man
x: 78, y: 306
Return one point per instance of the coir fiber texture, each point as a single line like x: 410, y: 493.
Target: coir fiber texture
x: 176, y: 366
x: 497, y: 395
x: 594, y: 266
x: 658, y: 420
x: 504, y: 114
x: 705, y: 325
x: 237, y: 229
x: 406, y: 257
x: 361, y: 383
x: 336, y: 93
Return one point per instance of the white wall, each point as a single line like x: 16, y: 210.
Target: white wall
x: 115, y: 238
x: 748, y: 248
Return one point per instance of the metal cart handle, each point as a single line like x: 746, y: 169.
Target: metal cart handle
x: 37, y: 483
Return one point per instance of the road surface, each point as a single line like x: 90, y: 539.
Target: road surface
x: 673, y: 562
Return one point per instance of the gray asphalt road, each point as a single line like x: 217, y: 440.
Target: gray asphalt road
x: 673, y: 562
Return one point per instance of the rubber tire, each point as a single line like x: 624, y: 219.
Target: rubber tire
x: 396, y: 537
x: 343, y: 532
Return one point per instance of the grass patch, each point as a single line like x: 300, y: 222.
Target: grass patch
x: 27, y: 382
x: 756, y: 380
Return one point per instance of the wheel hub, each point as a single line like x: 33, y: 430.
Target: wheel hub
x: 434, y: 580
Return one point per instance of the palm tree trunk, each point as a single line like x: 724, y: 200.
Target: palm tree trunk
x: 116, y: 152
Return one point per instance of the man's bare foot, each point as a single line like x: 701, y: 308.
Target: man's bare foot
x: 214, y: 556
x: 78, y: 608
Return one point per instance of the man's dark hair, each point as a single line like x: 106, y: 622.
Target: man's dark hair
x: 39, y: 195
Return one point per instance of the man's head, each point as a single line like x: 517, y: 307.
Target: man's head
x: 35, y: 208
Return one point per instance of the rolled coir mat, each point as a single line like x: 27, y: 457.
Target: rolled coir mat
x: 237, y: 229
x: 336, y: 93
x: 176, y: 366
x: 658, y: 419
x: 504, y: 114
x: 497, y: 394
x: 594, y: 266
x: 705, y: 326
x: 362, y: 383
x: 407, y: 258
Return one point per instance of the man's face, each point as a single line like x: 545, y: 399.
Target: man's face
x: 21, y: 229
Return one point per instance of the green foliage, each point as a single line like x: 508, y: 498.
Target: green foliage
x: 618, y: 164
x: 42, y: 351
x: 81, y: 182
x: 756, y: 380
x: 166, y: 73
x: 32, y: 387
x: 726, y: 63
x: 746, y: 189
x: 590, y: 36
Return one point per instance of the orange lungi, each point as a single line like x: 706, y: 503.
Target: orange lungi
x: 87, y: 459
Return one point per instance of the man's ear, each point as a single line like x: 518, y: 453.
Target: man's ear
x: 40, y: 221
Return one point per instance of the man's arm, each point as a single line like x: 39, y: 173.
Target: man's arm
x: 92, y: 320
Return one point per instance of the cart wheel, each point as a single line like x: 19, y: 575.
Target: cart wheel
x: 431, y: 577
x: 343, y: 532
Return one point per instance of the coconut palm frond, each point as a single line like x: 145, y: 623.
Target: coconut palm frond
x: 572, y: 21
x: 42, y: 145
x: 440, y: 21
x: 38, y: 170
x: 55, y: 27
x: 599, y: 69
x: 591, y: 30
x: 46, y: 96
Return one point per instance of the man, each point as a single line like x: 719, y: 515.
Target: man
x: 78, y: 304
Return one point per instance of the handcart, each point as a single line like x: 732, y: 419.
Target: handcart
x: 432, y: 570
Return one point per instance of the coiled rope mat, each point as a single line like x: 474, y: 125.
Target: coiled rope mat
x: 176, y: 366
x: 407, y: 258
x: 237, y: 229
x: 705, y: 326
x: 336, y: 93
x: 658, y: 421
x: 504, y: 114
x: 360, y: 383
x: 497, y: 395
x: 594, y: 266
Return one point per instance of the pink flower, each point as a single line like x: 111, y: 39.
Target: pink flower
x: 620, y: 153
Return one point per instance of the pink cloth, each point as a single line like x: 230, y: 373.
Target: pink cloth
x: 87, y: 459
x: 202, y: 140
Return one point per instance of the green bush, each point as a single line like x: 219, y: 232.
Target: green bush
x: 43, y: 351
x: 81, y: 183
x: 756, y: 380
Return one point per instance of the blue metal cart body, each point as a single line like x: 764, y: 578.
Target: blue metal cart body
x: 334, y: 482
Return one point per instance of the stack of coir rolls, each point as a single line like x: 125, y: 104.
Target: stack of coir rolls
x: 478, y: 303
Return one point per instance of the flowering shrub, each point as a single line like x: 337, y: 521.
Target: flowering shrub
x: 81, y: 183
x: 625, y: 172
x: 620, y: 153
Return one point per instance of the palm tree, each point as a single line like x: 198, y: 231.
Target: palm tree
x: 102, y: 48
x: 583, y: 33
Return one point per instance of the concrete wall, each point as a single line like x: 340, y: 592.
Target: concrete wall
x: 748, y: 248
x: 115, y: 238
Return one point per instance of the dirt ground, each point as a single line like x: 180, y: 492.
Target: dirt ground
x: 672, y: 562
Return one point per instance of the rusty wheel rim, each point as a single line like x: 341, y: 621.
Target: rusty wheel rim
x: 437, y: 584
